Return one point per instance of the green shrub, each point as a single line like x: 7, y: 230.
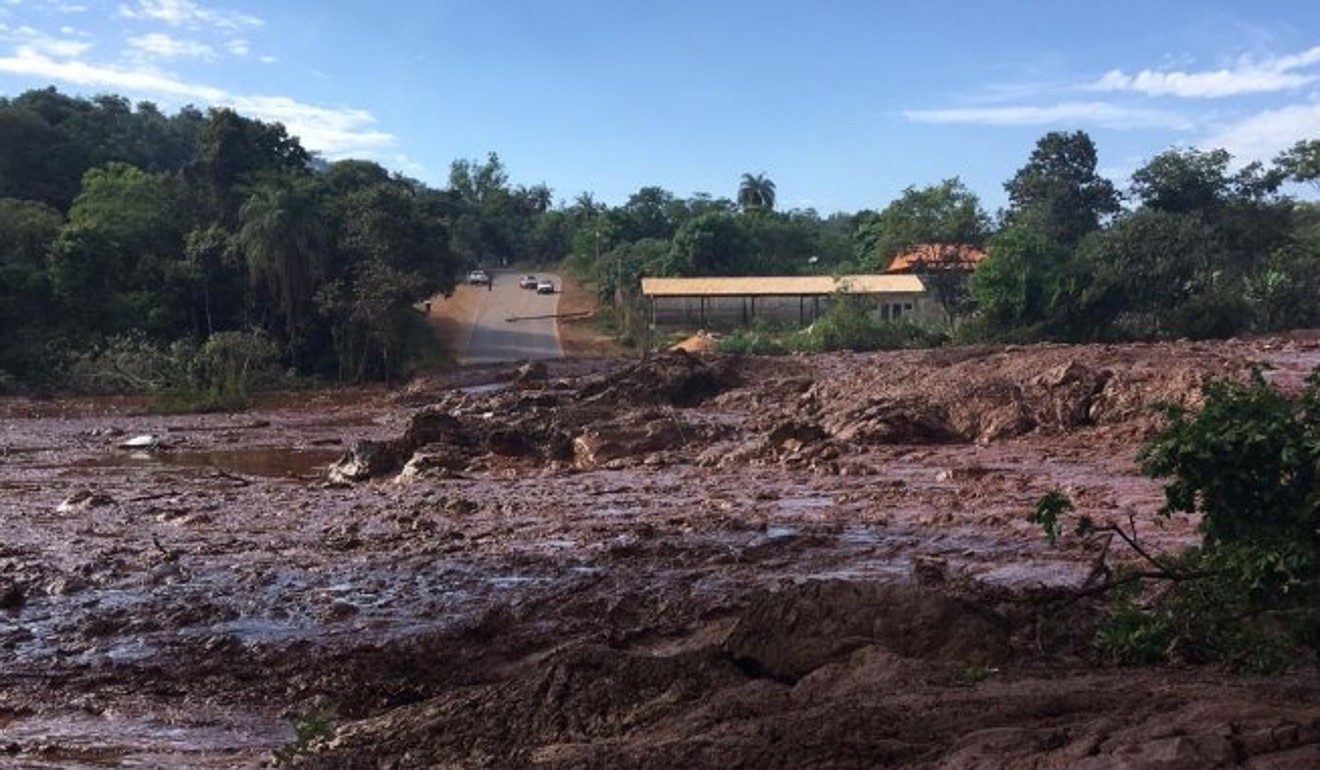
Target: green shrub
x: 220, y: 374
x: 306, y: 730
x: 850, y: 324
x: 760, y: 339
x: 1248, y: 462
x: 752, y: 343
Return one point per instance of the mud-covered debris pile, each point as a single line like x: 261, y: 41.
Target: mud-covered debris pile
x: 982, y: 394
x: 675, y: 378
x: 592, y: 693
x: 807, y: 412
x: 823, y: 674
x: 632, y: 413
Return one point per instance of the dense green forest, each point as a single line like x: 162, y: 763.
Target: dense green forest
x: 210, y: 246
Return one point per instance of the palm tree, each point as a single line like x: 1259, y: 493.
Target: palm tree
x: 584, y: 208
x: 756, y: 193
x: 283, y: 237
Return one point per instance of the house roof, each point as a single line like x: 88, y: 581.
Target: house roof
x: 937, y: 256
x: 791, y: 286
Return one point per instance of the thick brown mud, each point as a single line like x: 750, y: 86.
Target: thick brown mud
x: 691, y: 561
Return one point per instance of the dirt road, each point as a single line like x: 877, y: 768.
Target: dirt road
x: 696, y: 562
x: 510, y: 323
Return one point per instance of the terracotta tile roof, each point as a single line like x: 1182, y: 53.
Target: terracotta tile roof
x: 781, y: 285
x: 937, y: 256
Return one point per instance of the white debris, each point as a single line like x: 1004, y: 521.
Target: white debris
x: 144, y: 441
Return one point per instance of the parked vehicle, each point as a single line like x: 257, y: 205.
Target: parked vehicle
x: 528, y: 282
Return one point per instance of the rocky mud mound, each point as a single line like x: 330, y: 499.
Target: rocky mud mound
x: 642, y: 412
x: 990, y: 394
x: 632, y: 412
x: 824, y: 674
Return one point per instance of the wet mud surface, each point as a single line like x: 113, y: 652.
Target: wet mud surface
x: 692, y: 561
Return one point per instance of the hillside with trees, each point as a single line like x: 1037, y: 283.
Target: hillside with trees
x: 131, y: 240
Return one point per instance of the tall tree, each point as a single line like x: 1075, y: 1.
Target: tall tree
x: 396, y: 257
x: 283, y: 236
x: 648, y: 213
x: 233, y: 151
x: 1018, y: 284
x: 1302, y: 162
x: 113, y: 257
x: 711, y: 244
x: 1060, y: 190
x: 1186, y: 181
x: 944, y: 213
x: 27, y: 229
x: 476, y: 182
x: 756, y: 193
x: 213, y: 266
x: 1146, y: 267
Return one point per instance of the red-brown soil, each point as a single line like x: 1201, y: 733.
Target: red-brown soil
x: 687, y: 562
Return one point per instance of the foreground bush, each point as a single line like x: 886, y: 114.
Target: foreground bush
x: 1249, y: 464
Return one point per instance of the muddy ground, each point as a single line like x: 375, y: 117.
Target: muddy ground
x: 694, y: 562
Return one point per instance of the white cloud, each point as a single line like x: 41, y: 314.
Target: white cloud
x: 333, y: 131
x: 1264, y: 135
x: 189, y: 15
x: 31, y: 41
x: 1247, y: 76
x: 238, y: 47
x: 161, y: 46
x: 408, y: 166
x: 268, y: 59
x: 1098, y: 113
x: 336, y: 132
x: 59, y: 6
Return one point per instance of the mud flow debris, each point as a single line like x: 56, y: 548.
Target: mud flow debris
x: 687, y: 561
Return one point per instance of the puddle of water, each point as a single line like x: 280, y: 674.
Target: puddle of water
x: 26, y: 450
x: 492, y: 387
x: 804, y: 503
x: 271, y: 463
x: 780, y: 532
x: 510, y: 581
x: 250, y: 629
x: 863, y: 571
x: 124, y: 652
x: 80, y: 740
x: 255, y: 462
x: 858, y: 535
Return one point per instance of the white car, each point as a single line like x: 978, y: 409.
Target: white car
x: 545, y: 286
x: 528, y: 282
x: 478, y: 278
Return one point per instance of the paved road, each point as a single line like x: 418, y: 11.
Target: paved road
x: 513, y: 324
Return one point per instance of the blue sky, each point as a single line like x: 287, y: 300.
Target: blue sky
x: 842, y: 104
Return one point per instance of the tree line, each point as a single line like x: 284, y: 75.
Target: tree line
x: 120, y: 222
